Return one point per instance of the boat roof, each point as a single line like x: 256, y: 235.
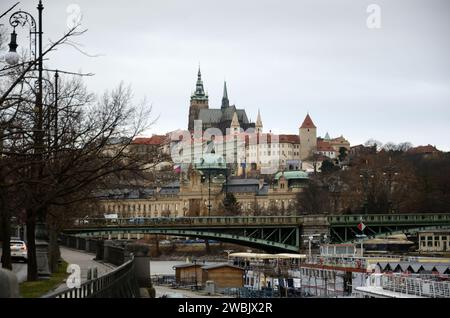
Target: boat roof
x: 267, y: 256
x: 213, y: 266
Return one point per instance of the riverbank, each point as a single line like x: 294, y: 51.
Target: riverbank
x: 175, y: 251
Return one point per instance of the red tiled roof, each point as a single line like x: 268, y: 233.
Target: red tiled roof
x: 155, y: 140
x: 324, y: 146
x: 272, y: 138
x: 293, y: 139
x: 423, y: 149
x: 308, y: 123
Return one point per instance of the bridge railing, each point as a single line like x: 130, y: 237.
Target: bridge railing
x: 389, y: 218
x: 191, y: 221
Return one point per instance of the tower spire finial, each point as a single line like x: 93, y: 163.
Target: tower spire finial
x: 199, y: 89
x: 225, y: 101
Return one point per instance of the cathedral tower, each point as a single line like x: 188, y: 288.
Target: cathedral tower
x: 199, y: 100
x: 258, y: 125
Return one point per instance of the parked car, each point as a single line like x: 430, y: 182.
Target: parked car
x: 18, y: 250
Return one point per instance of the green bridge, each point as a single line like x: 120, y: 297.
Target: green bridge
x: 270, y: 233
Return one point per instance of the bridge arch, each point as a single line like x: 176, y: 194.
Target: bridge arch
x: 246, y: 240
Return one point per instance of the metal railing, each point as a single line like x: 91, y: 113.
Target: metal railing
x: 333, y: 220
x: 191, y: 221
x: 389, y: 219
x: 120, y: 283
x: 418, y: 286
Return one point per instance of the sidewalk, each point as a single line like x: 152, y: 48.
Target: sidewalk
x: 85, y: 261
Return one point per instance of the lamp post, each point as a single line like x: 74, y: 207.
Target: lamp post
x: 37, y: 230
x: 211, y: 164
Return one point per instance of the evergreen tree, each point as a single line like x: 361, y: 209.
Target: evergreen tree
x: 230, y: 206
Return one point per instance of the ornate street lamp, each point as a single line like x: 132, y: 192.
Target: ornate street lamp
x: 23, y: 18
x: 211, y: 165
x: 12, y: 57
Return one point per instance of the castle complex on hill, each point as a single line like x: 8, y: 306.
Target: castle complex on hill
x: 203, y: 184
x: 293, y: 151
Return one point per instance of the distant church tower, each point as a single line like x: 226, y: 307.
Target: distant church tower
x: 308, y: 138
x: 235, y: 127
x: 258, y: 125
x: 199, y: 100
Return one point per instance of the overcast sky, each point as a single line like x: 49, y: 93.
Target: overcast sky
x: 283, y: 57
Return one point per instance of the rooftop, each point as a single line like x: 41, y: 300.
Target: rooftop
x: 155, y: 140
x: 423, y: 149
x: 308, y: 123
x: 294, y: 174
x: 214, y: 266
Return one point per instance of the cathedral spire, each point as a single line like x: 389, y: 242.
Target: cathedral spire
x: 258, y: 120
x: 199, y: 89
x: 225, y: 101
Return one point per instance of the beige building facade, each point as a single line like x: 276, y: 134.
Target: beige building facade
x: 191, y: 196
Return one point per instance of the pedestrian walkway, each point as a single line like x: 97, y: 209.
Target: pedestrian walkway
x: 85, y: 260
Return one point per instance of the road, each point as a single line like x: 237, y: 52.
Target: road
x: 20, y: 269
